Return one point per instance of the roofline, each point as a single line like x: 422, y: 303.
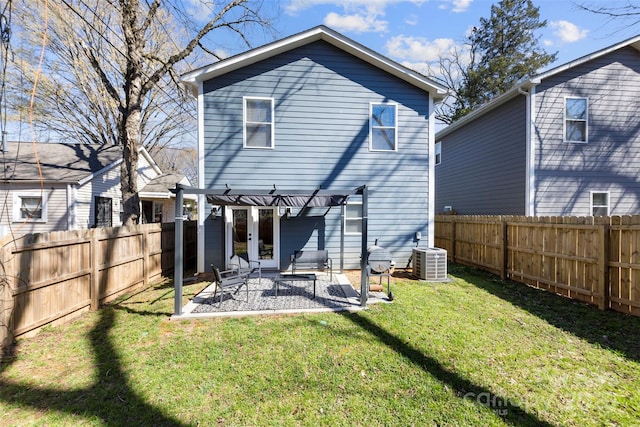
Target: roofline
x: 633, y: 42
x: 326, y: 34
x: 534, y: 81
x: 141, y: 150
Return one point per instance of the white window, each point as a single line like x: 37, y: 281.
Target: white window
x: 576, y: 114
x: 383, y: 129
x: 599, y: 203
x: 438, y: 153
x: 30, y: 206
x: 353, y: 217
x: 258, y: 123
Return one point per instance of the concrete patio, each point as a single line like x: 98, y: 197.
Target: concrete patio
x: 331, y: 295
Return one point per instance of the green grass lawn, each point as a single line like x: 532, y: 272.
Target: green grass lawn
x: 471, y: 352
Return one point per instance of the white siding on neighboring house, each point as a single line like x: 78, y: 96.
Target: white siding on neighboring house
x: 56, y: 210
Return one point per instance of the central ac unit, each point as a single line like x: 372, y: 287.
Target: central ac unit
x: 430, y: 264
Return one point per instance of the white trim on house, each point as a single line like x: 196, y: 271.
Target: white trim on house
x: 431, y: 215
x: 591, y: 205
x: 530, y: 137
x: 573, y: 119
x: 372, y: 126
x: 301, y: 39
x: 202, y: 202
x: 17, y: 204
x: 272, y: 124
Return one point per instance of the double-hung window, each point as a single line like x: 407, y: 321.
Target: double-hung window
x: 30, y: 206
x: 599, y: 203
x: 383, y: 127
x: 438, y: 153
x: 576, y: 119
x: 103, y: 212
x: 353, y: 217
x: 258, y: 123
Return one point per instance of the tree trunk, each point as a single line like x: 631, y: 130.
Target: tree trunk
x: 129, y: 169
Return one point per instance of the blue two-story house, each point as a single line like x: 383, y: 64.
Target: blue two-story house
x: 563, y: 142
x: 288, y: 135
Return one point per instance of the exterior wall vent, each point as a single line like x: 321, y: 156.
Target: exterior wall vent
x: 430, y: 264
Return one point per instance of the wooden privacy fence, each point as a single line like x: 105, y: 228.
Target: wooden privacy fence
x: 51, y: 277
x: 591, y: 259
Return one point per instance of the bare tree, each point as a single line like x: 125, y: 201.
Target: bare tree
x: 110, y: 71
x: 622, y: 15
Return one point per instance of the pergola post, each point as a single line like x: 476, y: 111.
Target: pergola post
x: 178, y: 252
x: 363, y: 258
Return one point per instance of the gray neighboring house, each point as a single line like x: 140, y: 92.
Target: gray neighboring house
x: 314, y: 111
x: 564, y: 142
x: 76, y: 186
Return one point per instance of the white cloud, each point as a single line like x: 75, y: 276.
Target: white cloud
x: 568, y: 32
x: 357, y: 23
x: 457, y: 6
x: 295, y: 6
x: 409, y: 48
x: 412, y: 19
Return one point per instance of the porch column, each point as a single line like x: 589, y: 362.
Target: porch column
x: 178, y: 252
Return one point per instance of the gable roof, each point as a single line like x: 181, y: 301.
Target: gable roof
x: 326, y: 34
x: 62, y: 163
x: 526, y: 84
x: 161, y: 185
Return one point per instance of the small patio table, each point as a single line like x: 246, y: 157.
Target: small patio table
x: 297, y: 277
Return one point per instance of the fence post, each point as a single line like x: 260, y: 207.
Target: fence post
x: 145, y: 257
x: 7, y: 302
x: 603, y: 266
x: 453, y: 239
x: 95, y: 270
x: 505, y: 250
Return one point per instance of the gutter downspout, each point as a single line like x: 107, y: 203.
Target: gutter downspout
x: 530, y: 176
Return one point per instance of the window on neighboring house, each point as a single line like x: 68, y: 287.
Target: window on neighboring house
x: 383, y: 127
x: 599, y: 203
x: 103, y: 213
x: 353, y: 217
x: 576, y: 114
x: 438, y: 153
x: 30, y: 206
x: 258, y: 123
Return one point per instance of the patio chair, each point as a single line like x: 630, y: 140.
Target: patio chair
x: 228, y: 279
x: 243, y: 265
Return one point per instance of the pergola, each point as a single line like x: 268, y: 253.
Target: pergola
x: 273, y: 197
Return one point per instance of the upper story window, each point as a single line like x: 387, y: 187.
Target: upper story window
x: 258, y: 123
x: 383, y: 127
x: 576, y: 114
x: 599, y: 203
x: 30, y: 206
x: 438, y: 153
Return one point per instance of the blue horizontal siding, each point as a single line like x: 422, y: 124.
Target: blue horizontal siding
x: 321, y: 96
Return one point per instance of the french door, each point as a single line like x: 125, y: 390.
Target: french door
x: 253, y: 232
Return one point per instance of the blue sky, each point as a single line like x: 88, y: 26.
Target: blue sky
x: 415, y: 32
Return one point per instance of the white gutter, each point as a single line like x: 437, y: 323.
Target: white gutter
x: 530, y: 166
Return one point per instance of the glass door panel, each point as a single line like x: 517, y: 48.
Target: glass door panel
x: 240, y: 231
x: 265, y: 234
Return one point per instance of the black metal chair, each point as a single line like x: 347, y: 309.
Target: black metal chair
x: 230, y: 279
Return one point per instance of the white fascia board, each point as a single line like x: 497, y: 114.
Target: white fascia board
x: 414, y: 78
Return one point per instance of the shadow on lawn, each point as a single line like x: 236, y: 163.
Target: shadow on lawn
x: 608, y: 329
x: 463, y: 387
x: 109, y: 399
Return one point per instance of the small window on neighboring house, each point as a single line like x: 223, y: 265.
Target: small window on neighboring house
x: 438, y: 153
x: 30, y: 206
x: 576, y: 114
x: 353, y: 217
x: 258, y: 123
x: 599, y: 203
x: 103, y: 213
x: 383, y: 129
